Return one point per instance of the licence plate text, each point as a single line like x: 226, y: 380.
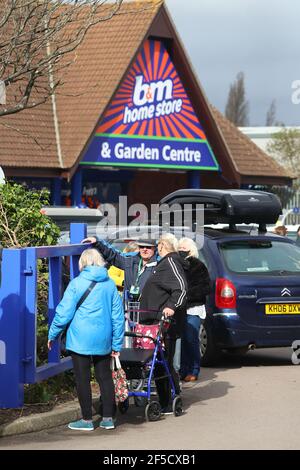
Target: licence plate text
x: 281, y: 309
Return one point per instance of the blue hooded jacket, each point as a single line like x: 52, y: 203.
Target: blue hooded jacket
x: 97, y: 327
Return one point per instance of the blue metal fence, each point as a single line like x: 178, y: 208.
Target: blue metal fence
x: 18, y: 315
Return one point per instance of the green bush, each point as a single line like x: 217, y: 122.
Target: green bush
x: 21, y: 221
x: 61, y: 385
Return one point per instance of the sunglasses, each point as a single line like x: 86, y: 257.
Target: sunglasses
x: 146, y: 247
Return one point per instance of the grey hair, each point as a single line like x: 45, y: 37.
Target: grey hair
x: 193, y: 250
x: 170, y: 241
x: 90, y: 257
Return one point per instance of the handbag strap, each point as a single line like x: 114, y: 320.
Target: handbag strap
x: 79, y: 303
x: 115, y: 363
x: 85, y: 294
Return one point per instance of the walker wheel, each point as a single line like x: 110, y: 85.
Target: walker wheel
x: 123, y: 406
x: 177, y: 406
x: 152, y: 411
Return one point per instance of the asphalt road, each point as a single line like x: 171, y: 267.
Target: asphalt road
x: 249, y: 402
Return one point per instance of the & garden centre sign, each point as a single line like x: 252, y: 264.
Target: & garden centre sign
x: 151, y: 122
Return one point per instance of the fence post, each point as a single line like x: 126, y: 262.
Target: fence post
x: 12, y: 323
x: 55, y: 272
x: 30, y: 317
x: 77, y: 233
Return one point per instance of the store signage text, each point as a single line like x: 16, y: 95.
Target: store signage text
x: 159, y: 92
x: 151, y: 121
x: 143, y: 152
x: 124, y: 151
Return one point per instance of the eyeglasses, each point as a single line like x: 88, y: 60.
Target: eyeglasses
x: 146, y: 247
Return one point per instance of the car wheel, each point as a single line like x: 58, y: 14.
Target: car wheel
x: 209, y: 352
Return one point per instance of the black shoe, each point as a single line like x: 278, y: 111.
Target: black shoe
x: 167, y: 410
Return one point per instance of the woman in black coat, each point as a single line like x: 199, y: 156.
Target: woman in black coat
x: 198, y: 286
x: 165, y: 293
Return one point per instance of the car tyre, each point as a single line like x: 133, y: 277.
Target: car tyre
x: 209, y: 352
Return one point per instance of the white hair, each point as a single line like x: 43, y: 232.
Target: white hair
x: 193, y: 250
x: 90, y: 257
x: 170, y: 242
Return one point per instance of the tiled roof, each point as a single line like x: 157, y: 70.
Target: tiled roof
x: 247, y: 157
x: 27, y: 138
x: 100, y: 63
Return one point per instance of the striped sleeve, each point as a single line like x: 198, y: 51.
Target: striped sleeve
x: 177, y: 286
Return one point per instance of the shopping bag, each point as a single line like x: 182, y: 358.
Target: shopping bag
x: 119, y: 380
x: 147, y: 330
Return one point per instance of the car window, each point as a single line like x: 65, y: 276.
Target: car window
x: 249, y: 256
x: 202, y: 258
x: 120, y: 244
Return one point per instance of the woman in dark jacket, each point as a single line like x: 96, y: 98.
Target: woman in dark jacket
x: 165, y: 293
x: 198, y: 283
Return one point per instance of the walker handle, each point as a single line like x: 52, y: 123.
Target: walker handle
x: 132, y: 334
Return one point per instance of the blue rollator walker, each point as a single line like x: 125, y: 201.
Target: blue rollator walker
x: 140, y: 364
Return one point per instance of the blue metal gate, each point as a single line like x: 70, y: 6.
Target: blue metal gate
x: 18, y: 315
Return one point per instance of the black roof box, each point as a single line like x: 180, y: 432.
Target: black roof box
x: 230, y: 206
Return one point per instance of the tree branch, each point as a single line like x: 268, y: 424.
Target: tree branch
x: 27, y: 29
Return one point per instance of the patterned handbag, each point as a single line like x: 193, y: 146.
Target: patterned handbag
x: 147, y: 330
x: 119, y: 380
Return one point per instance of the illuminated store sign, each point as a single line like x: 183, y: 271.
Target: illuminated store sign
x: 151, y: 122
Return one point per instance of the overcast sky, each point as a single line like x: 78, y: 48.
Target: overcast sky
x: 259, y: 37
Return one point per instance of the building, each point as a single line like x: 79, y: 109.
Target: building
x: 262, y: 135
x: 131, y: 119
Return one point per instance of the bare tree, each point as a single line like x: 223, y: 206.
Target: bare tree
x: 237, y: 108
x: 36, y: 37
x: 271, y: 114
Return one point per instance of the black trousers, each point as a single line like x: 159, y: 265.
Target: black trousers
x: 163, y: 385
x: 82, y: 369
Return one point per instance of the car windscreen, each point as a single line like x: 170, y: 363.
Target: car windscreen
x: 263, y: 257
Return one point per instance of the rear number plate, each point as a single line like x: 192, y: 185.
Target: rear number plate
x: 282, y: 309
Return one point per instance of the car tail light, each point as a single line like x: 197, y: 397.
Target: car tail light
x: 225, y: 293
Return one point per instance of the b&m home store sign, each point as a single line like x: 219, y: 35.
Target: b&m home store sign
x: 151, y: 122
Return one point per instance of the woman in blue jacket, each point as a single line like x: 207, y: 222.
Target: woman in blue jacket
x: 95, y: 334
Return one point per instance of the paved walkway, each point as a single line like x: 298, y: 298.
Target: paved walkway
x: 249, y: 403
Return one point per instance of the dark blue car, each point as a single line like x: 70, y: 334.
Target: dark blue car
x: 255, y: 299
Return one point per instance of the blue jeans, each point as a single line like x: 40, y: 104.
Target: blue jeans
x: 190, y: 347
x: 177, y: 355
